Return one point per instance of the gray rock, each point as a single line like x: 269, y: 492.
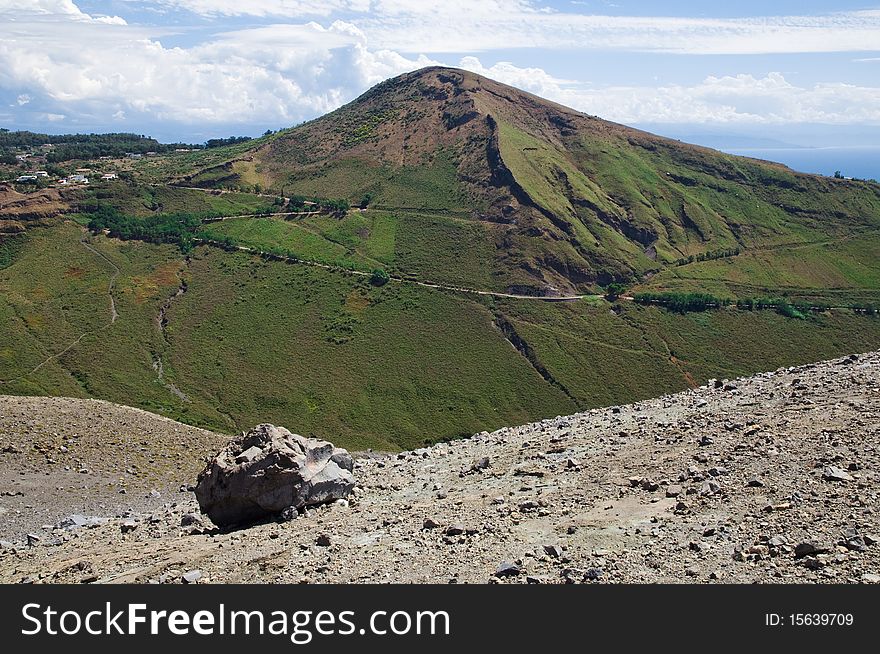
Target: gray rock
x: 507, y: 569
x: 808, y: 548
x: 192, y: 577
x: 190, y: 519
x: 708, y: 488
x: 480, y: 464
x: 870, y: 578
x: 592, y: 574
x: 455, y: 530
x: 76, y: 521
x: 430, y: 524
x: 673, y: 490
x: 553, y: 550
x: 833, y: 473
x: 240, y: 485
x: 323, y: 540
x: 128, y: 526
x: 755, y: 482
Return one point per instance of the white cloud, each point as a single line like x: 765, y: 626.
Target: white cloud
x: 77, y: 64
x: 278, y: 74
x: 22, y: 99
x: 283, y: 8
x: 730, y: 99
x: 438, y: 26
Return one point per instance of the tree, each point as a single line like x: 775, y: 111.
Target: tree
x: 379, y: 277
x: 614, y: 291
x: 838, y: 174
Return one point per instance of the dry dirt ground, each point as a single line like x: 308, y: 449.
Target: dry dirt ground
x: 770, y: 479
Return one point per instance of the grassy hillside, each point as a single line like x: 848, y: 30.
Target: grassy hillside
x: 330, y: 355
x: 456, y: 180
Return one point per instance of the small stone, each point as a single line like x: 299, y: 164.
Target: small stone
x: 190, y: 519
x: 455, y: 530
x: 553, y: 550
x: 323, y: 540
x: 755, y: 482
x: 673, y: 490
x: 808, y: 548
x: 833, y: 473
x: 649, y: 485
x: 709, y: 488
x: 430, y: 524
x: 507, y: 569
x: 33, y: 539
x: 192, y: 577
x: 128, y: 526
x: 480, y: 464
x: 870, y: 578
x: 592, y: 574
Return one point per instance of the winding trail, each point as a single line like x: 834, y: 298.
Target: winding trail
x: 162, y: 325
x: 114, y: 315
x: 400, y: 280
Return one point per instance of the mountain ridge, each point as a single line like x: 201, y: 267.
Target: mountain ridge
x: 578, y: 202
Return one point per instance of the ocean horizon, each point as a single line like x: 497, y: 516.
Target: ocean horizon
x: 859, y: 162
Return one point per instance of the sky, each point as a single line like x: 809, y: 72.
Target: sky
x: 750, y: 73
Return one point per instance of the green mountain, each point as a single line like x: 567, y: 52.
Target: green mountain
x: 560, y: 200
x: 475, y: 201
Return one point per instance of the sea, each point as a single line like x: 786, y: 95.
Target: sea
x: 856, y: 162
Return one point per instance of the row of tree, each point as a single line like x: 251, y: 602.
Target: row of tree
x: 708, y: 256
x: 690, y: 302
x: 302, y: 202
x: 176, y: 228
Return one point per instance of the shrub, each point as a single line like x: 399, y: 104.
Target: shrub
x: 379, y: 277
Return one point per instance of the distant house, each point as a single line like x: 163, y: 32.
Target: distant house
x: 26, y: 179
x: 109, y: 176
x: 41, y: 173
x: 134, y: 155
x: 77, y: 179
x: 83, y: 171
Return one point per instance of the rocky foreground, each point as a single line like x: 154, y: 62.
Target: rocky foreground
x: 772, y: 479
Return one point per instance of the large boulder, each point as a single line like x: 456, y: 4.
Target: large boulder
x: 268, y: 470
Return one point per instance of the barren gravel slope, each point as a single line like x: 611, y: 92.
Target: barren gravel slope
x: 64, y: 455
x: 715, y: 484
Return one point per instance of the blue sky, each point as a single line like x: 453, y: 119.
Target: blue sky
x: 802, y: 72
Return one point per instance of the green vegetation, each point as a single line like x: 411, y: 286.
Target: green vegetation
x: 332, y: 355
x: 10, y: 246
x: 379, y: 277
x: 474, y: 186
x: 177, y: 228
x: 682, y: 302
x: 69, y: 147
x: 232, y: 140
